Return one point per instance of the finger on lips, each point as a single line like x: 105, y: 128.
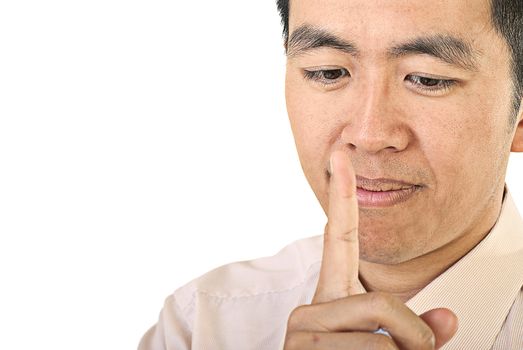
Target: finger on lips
x: 340, y: 262
x: 327, y: 322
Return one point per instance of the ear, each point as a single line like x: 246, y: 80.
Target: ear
x: 517, y: 142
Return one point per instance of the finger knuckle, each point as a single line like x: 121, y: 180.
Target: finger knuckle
x: 297, y: 318
x: 350, y: 236
x: 297, y: 340
x: 292, y: 341
x: 381, y: 302
x: 426, y: 340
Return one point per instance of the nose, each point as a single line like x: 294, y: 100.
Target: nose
x: 376, y: 122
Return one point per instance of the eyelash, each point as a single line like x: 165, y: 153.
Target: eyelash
x: 441, y: 85
x: 319, y: 75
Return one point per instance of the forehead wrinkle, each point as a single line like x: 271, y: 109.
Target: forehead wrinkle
x: 445, y: 47
x: 307, y: 37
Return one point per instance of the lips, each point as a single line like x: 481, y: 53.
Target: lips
x: 381, y: 185
x: 383, y: 192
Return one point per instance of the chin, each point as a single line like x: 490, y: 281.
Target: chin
x: 384, y: 250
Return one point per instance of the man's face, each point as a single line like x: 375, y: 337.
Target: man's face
x: 422, y: 95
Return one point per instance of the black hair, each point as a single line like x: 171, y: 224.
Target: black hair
x: 507, y: 20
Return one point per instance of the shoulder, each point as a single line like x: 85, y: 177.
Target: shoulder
x: 219, y: 306
x: 289, y: 269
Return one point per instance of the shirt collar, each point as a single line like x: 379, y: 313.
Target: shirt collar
x: 481, y: 287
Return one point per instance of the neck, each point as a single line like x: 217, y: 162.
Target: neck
x: 406, y: 279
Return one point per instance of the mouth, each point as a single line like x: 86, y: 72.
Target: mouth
x: 383, y: 192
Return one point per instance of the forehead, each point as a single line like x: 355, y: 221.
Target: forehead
x: 369, y: 21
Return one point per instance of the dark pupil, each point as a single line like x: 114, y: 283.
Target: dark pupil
x: 428, y: 81
x: 332, y: 74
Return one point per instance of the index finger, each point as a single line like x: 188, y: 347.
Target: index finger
x: 340, y: 262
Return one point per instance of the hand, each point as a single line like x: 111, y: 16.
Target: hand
x: 341, y: 315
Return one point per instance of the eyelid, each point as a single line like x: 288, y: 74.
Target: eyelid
x: 430, y: 76
x: 312, y: 73
x: 444, y: 85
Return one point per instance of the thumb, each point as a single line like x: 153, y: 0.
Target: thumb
x: 444, y: 324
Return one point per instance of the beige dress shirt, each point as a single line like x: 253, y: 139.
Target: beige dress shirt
x: 245, y: 305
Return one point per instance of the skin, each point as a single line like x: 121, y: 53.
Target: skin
x: 340, y: 314
x: 454, y: 142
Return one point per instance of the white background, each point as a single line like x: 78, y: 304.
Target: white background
x: 142, y: 143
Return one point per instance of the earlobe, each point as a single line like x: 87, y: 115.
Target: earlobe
x: 517, y: 142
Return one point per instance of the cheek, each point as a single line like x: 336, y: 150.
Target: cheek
x: 316, y: 117
x: 460, y: 145
x: 307, y: 119
x: 310, y: 137
x: 312, y: 121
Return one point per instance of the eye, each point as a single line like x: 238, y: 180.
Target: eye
x: 430, y: 84
x: 326, y: 76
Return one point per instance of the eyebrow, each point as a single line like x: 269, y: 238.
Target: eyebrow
x: 445, y: 47
x: 306, y: 38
